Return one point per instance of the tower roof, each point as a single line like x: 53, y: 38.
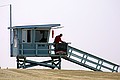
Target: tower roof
x: 44, y: 26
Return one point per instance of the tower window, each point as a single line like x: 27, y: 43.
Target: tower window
x: 26, y: 36
x: 41, y: 35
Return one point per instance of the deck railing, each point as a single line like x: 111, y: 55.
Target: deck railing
x: 47, y: 47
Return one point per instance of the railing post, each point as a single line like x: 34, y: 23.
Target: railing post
x: 82, y: 58
x: 113, y: 68
x: 101, y: 64
x: 36, y: 49
x: 22, y: 49
x: 70, y: 52
x: 50, y: 48
x: 85, y: 58
x: 98, y: 64
x: 117, y: 68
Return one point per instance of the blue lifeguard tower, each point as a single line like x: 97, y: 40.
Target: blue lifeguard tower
x: 33, y: 41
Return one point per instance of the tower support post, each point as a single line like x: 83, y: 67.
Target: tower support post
x: 21, y: 62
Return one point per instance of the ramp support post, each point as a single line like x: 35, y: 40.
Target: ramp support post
x: 56, y: 61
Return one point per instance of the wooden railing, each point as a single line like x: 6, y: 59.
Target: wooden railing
x: 48, y: 47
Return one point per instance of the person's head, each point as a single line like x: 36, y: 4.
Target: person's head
x: 61, y: 35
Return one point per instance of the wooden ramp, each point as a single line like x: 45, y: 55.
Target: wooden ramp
x: 90, y: 61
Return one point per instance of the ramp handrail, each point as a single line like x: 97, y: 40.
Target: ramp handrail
x: 90, y: 61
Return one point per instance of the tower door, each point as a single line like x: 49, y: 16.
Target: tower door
x: 27, y: 48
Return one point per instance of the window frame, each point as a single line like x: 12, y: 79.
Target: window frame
x: 26, y: 35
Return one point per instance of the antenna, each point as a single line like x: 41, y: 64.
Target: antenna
x: 10, y: 27
x: 10, y: 15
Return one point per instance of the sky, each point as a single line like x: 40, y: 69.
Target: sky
x: 90, y: 25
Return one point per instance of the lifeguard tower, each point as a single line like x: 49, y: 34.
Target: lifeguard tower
x: 33, y: 41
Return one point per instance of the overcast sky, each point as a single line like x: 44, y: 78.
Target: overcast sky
x: 90, y: 25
